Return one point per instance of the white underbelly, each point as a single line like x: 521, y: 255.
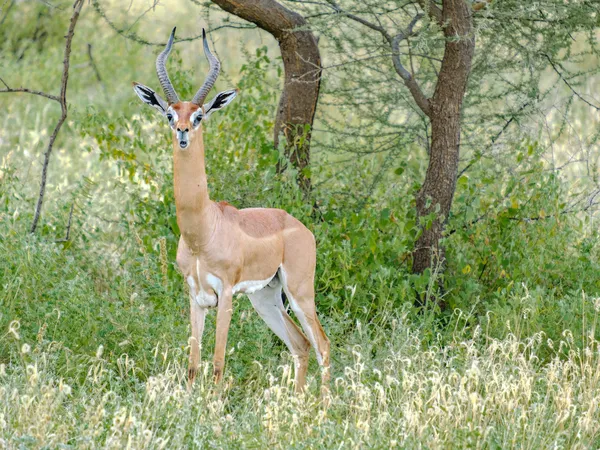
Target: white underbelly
x: 251, y: 286
x: 208, y: 300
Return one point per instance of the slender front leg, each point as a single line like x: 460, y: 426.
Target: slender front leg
x: 224, y: 312
x: 197, y: 316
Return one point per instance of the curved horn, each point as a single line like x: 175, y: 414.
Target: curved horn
x: 161, y: 71
x: 215, y: 68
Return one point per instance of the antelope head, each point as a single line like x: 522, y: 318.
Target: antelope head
x: 185, y: 118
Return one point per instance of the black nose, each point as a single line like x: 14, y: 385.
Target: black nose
x: 183, y: 144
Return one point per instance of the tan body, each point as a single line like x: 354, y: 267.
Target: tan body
x: 258, y: 251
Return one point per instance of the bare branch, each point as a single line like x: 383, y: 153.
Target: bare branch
x: 63, y: 104
x: 67, y: 236
x: 151, y: 8
x: 50, y: 5
x: 409, y: 80
x: 28, y: 91
x: 96, y: 71
x: 12, y: 3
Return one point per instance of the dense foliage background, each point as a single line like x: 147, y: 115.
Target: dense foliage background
x: 93, y: 330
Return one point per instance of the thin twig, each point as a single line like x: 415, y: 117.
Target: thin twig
x: 50, y: 5
x: 12, y: 3
x: 93, y: 64
x: 67, y: 236
x: 494, y: 138
x: 63, y: 106
x: 569, y: 84
x: 96, y: 71
x: 28, y: 91
x: 140, y: 40
x: 151, y: 8
x: 360, y: 20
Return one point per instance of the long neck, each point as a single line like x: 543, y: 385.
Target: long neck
x: 195, y: 212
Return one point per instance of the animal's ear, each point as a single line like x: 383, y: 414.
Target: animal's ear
x: 150, y: 97
x: 221, y: 100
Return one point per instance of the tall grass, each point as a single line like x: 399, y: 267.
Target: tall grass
x: 388, y: 390
x: 93, y: 354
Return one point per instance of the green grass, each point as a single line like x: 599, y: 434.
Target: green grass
x: 93, y: 357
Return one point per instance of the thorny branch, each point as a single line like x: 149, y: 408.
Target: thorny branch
x: 436, y: 14
x: 360, y: 20
x: 63, y: 104
x: 28, y: 91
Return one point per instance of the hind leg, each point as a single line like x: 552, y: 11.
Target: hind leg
x: 301, y: 295
x: 267, y: 302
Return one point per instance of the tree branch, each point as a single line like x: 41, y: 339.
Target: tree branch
x: 96, y: 71
x: 394, y: 41
x: 131, y: 35
x: 28, y: 91
x: 569, y: 84
x: 12, y: 3
x: 63, y: 104
x: 67, y: 236
x: 409, y: 80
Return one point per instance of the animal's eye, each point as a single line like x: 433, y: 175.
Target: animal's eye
x: 169, y: 117
x: 197, y: 120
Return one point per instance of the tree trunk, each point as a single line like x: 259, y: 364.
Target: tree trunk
x: 302, y: 66
x: 437, y: 191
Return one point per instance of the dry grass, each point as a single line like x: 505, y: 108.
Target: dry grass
x: 475, y: 392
